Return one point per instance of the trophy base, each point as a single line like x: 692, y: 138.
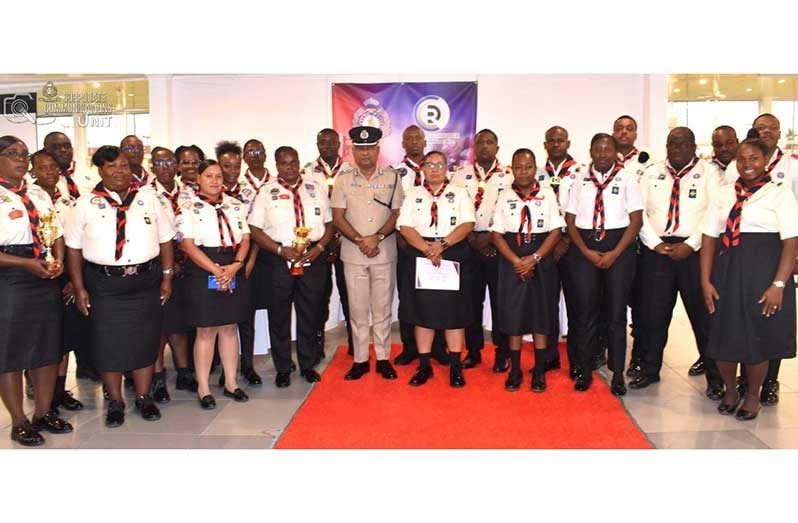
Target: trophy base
x: 52, y: 265
x: 297, y: 271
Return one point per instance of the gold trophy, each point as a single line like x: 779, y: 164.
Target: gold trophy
x: 300, y: 245
x: 48, y: 232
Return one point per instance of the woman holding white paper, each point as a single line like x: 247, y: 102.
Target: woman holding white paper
x: 526, y: 228
x: 434, y: 220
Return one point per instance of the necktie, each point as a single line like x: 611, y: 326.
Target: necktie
x: 416, y: 169
x: 71, y: 185
x: 731, y: 236
x: 299, y: 210
x: 526, y: 214
x: 598, y: 207
x: 121, y: 213
x: 221, y: 219
x: 434, y: 208
x: 555, y: 177
x: 483, y: 182
x: 673, y: 208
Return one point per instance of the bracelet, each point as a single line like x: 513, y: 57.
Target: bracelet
x: 444, y: 244
x: 237, y: 261
x: 168, y: 272
x: 321, y: 247
x: 279, y: 249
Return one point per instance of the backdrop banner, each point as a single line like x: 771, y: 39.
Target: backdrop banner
x: 445, y: 111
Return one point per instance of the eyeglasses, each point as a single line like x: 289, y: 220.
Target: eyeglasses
x: 771, y: 128
x: 164, y: 163
x: 132, y: 148
x: 189, y: 162
x: 434, y: 165
x: 15, y: 156
x: 255, y: 153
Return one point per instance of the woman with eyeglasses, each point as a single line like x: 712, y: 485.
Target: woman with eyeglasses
x: 175, y: 330
x: 526, y: 228
x: 435, y: 219
x: 124, y: 236
x: 188, y: 159
x: 212, y: 230
x: 748, y: 252
x: 30, y: 298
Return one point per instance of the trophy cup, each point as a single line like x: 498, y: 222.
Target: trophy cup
x: 48, y: 232
x: 300, y: 245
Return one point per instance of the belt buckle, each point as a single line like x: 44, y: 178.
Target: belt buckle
x: 597, y: 235
x: 130, y: 270
x: 528, y: 238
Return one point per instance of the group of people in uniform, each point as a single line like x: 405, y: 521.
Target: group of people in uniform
x: 184, y: 256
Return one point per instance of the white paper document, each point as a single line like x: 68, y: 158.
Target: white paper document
x: 443, y: 278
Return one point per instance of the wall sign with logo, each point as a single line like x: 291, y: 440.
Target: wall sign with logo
x: 445, y: 111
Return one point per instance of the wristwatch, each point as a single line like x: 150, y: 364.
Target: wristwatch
x: 381, y: 236
x: 170, y: 271
x: 444, y: 244
x: 536, y: 257
x: 779, y: 284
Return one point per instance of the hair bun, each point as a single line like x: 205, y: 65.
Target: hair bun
x: 753, y: 134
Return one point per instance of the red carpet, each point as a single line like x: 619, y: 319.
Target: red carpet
x: 374, y: 413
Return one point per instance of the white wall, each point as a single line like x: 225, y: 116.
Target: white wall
x: 289, y: 110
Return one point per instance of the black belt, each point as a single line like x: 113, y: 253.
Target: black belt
x: 123, y: 270
x: 673, y: 239
x: 216, y: 250
x: 432, y: 239
x: 24, y: 251
x: 532, y: 237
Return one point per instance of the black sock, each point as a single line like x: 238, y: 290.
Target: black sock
x: 454, y: 360
x: 515, y: 361
x: 159, y: 376
x: 540, y: 360
x: 60, y: 386
x: 182, y: 372
x: 423, y: 360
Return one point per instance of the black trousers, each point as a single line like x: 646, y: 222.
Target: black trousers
x: 324, y: 313
x: 636, y: 305
x: 305, y: 293
x: 485, y: 274
x: 406, y: 329
x: 564, y: 275
x: 664, y: 279
x: 588, y: 281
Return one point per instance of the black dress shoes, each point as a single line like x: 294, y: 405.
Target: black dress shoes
x: 26, y: 435
x: 501, y: 363
x: 357, y: 371
x: 282, y: 380
x: 115, y: 416
x: 66, y: 400
x: 583, y: 381
x: 386, y: 370
x: 237, y: 395
x: 456, y: 378
x: 405, y: 358
x: 573, y: 372
x: 742, y: 386
x: 207, y: 402
x: 635, y: 368
x: 642, y: 381
x: 472, y: 360
x: 698, y: 368
x: 310, y: 375
x: 513, y: 381
x: 746, y: 415
x: 599, y: 360
x: 147, y: 408
x: 728, y: 409
x: 251, y: 376
x: 538, y: 382
x: 186, y: 382
x: 617, y: 386
x: 129, y: 381
x: 421, y: 376
x: 715, y: 392
x: 160, y: 394
x: 769, y: 395
x: 51, y: 423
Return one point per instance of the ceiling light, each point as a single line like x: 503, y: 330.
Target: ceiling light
x: 703, y: 81
x: 748, y: 90
x: 96, y: 85
x: 677, y: 90
x: 782, y: 81
x: 131, y: 94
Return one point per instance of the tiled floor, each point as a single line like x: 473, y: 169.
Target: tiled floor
x: 673, y: 413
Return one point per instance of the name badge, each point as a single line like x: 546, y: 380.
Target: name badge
x: 15, y: 214
x: 616, y: 190
x: 318, y: 211
x: 692, y: 193
x: 147, y: 220
x: 540, y: 224
x: 555, y: 180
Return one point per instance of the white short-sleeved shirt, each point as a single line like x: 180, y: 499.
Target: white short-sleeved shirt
x: 198, y: 221
x: 771, y: 209
x: 455, y: 207
x: 145, y: 179
x: 632, y: 161
x: 322, y: 173
x: 697, y: 189
x: 407, y: 169
x: 785, y: 171
x: 181, y: 193
x: 273, y: 211
x: 495, y: 180
x: 543, y: 208
x: 621, y: 197
x: 91, y: 227
x: 64, y: 204
x: 14, y: 222
x: 563, y: 176
x: 250, y: 181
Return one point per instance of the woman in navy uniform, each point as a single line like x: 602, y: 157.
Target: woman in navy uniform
x: 604, y: 215
x: 212, y: 230
x: 526, y: 228
x: 434, y: 220
x: 751, y: 225
x: 30, y: 299
x: 119, y: 249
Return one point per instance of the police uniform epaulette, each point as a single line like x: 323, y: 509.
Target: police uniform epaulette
x: 345, y: 170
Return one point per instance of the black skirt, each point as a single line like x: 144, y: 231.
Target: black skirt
x: 529, y: 306
x: 437, y: 309
x: 30, y: 321
x: 174, y: 312
x: 125, y: 318
x: 737, y: 330
x: 210, y: 308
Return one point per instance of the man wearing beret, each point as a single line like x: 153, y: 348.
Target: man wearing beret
x: 366, y: 200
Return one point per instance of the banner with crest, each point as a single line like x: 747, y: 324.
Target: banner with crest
x: 445, y: 111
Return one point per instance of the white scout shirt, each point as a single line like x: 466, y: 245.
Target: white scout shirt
x: 697, y: 189
x: 621, y: 197
x: 543, y: 208
x: 562, y: 175
x: 771, y: 209
x: 785, y: 170
x: 198, y: 220
x: 455, y: 207
x: 473, y: 177
x: 273, y: 211
x: 14, y: 222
